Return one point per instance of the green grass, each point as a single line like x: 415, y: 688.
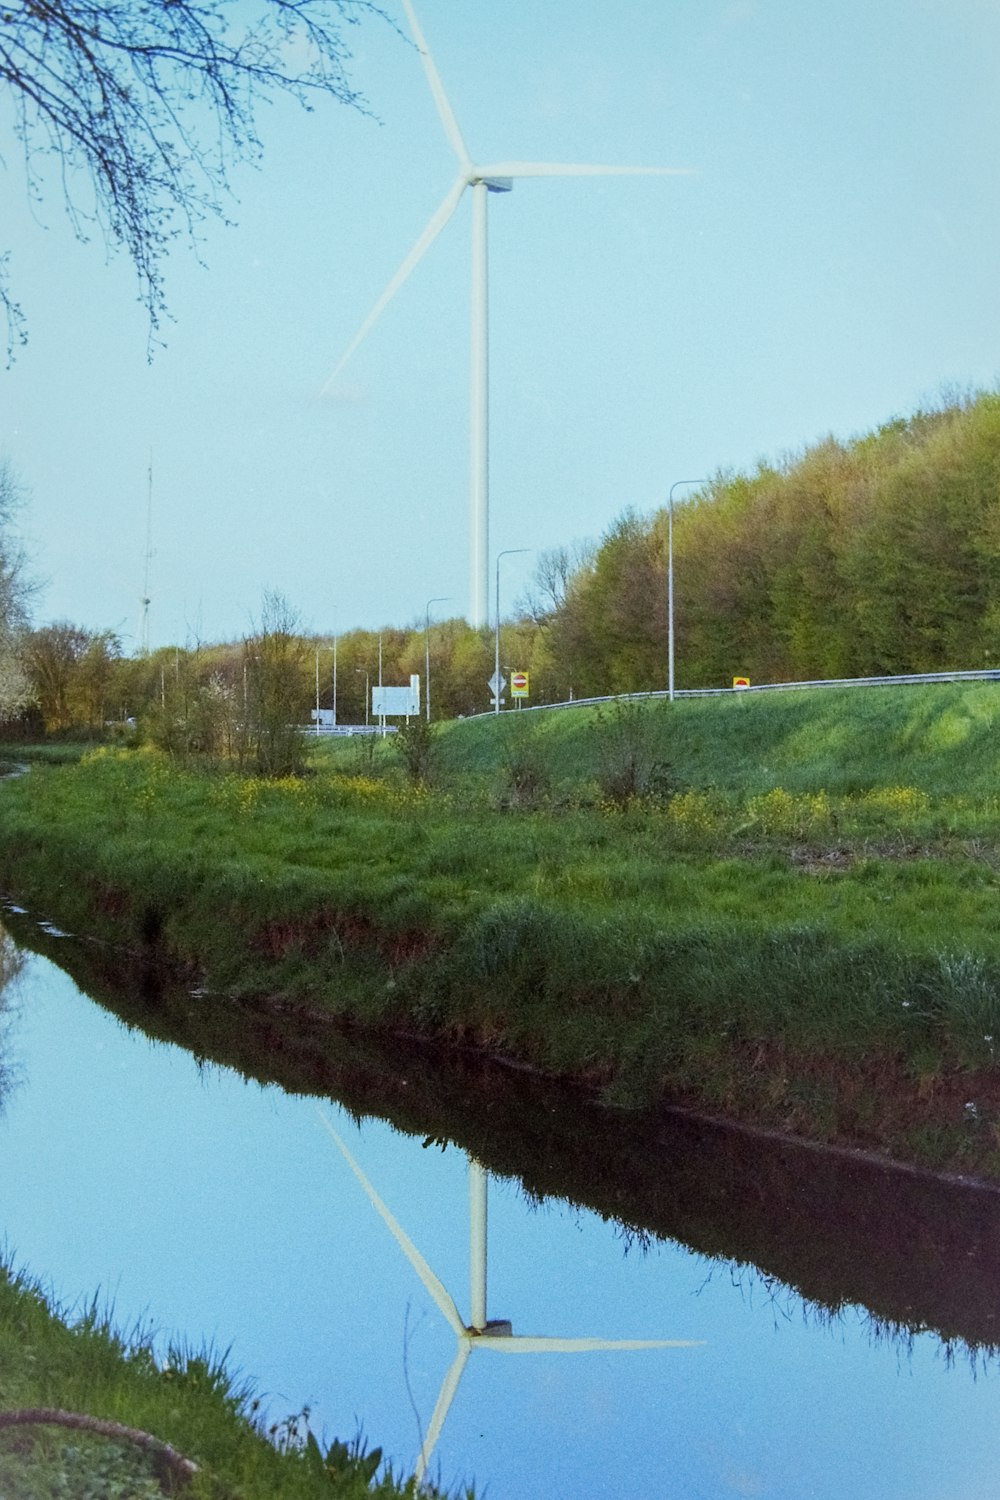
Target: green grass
x: 940, y: 737
x: 814, y: 881
x: 51, y: 1359
x: 51, y: 752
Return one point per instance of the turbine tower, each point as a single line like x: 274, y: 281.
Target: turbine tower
x: 498, y: 177
x: 480, y: 1332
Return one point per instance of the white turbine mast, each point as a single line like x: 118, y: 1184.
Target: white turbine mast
x: 480, y: 1332
x: 496, y: 177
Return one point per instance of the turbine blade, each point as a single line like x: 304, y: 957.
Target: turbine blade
x: 573, y: 169
x: 409, y: 1249
x: 437, y: 222
x: 449, y: 1387
x: 444, y: 108
x: 530, y: 1344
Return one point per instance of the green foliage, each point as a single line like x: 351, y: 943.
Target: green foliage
x: 73, y: 674
x: 878, y: 555
x: 854, y: 558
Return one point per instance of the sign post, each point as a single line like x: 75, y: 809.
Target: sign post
x: 496, y: 685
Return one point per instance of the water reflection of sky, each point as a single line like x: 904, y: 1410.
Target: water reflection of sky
x: 222, y: 1211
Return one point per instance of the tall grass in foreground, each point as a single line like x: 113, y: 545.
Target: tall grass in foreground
x: 49, y: 1359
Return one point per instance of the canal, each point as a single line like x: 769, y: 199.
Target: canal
x: 844, y: 1317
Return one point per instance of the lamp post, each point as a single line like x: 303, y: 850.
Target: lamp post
x: 317, y: 685
x: 441, y: 599
x: 363, y: 672
x: 670, y: 580
x: 510, y: 552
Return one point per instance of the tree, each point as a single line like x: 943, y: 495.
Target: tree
x: 278, y: 690
x: 144, y: 108
x: 53, y: 655
x: 553, y: 574
x: 16, y: 589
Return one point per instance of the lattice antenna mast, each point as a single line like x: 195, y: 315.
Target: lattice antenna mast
x: 144, y: 601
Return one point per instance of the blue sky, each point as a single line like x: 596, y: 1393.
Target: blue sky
x: 832, y: 262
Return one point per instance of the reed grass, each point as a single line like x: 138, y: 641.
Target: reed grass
x: 53, y: 1358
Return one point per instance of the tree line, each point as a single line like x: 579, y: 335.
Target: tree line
x: 872, y: 556
x: 876, y: 555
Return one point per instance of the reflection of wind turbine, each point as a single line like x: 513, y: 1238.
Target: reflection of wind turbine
x: 495, y: 178
x: 481, y: 1332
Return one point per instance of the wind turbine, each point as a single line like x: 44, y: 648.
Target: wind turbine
x: 480, y: 1332
x: 498, y: 177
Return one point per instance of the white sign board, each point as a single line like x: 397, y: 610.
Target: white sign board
x: 397, y: 702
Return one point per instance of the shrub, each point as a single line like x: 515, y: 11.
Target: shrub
x: 415, y: 741
x: 525, y: 781
x: 628, y: 768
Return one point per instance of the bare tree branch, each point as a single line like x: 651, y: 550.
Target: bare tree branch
x: 144, y: 108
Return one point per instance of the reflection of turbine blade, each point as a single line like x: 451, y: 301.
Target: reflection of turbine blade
x: 437, y: 222
x: 444, y: 108
x: 526, y: 1343
x: 449, y: 1386
x: 409, y: 1249
x: 573, y: 169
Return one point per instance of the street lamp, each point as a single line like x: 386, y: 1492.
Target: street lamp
x: 510, y: 552
x: 441, y: 599
x: 363, y: 672
x: 670, y: 580
x: 317, y: 686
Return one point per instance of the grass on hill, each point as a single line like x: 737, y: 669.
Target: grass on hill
x: 943, y: 738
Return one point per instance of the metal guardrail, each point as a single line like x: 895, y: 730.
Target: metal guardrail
x: 347, y: 729
x: 986, y: 675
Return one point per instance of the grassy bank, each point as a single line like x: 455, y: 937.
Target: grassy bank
x: 83, y: 1365
x: 789, y: 918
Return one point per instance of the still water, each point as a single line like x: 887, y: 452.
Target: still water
x: 221, y: 1210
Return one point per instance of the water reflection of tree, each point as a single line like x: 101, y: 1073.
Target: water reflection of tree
x: 789, y: 1305
x: 11, y: 968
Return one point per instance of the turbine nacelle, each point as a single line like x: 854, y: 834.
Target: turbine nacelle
x: 487, y: 1333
